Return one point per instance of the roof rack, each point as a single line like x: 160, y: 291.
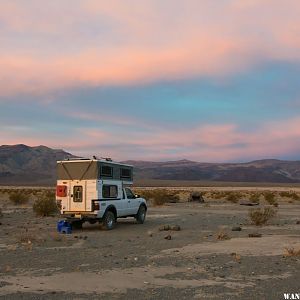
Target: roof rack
x: 76, y: 158
x: 84, y: 158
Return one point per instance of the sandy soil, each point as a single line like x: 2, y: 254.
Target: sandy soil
x: 137, y: 262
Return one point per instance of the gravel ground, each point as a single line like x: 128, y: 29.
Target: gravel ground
x: 137, y: 262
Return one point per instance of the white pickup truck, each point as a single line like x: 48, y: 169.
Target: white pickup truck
x: 97, y: 191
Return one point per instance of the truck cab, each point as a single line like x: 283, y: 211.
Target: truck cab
x: 97, y: 191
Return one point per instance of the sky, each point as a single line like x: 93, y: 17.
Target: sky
x: 210, y: 81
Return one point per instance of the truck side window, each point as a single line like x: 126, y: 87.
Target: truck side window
x: 110, y: 191
x: 129, y: 193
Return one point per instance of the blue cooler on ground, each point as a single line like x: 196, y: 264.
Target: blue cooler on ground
x: 64, y: 227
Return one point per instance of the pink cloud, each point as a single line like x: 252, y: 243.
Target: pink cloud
x: 211, y: 143
x: 147, y: 41
x: 203, y: 143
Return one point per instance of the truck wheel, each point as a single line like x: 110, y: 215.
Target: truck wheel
x: 109, y: 220
x: 77, y: 224
x: 141, y: 215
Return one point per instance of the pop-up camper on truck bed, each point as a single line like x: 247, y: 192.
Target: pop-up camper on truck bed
x: 97, y: 190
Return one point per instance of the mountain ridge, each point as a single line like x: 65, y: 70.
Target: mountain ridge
x: 25, y: 165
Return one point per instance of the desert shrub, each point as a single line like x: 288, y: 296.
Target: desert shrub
x: 284, y: 194
x: 45, y: 205
x: 19, y: 197
x: 261, y: 216
x: 254, y: 197
x: 291, y: 194
x: 270, y: 197
x: 160, y: 196
x: 35, y: 192
x: 222, y: 235
x: 218, y: 194
x: 294, y: 196
x: 232, y: 197
x: 27, y: 191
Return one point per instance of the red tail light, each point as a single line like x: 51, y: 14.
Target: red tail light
x: 61, y: 190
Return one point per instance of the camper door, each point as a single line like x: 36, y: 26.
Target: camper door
x: 78, y: 196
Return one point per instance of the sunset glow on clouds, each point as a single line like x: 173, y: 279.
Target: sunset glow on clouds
x: 202, y: 80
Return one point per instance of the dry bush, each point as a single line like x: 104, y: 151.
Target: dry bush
x: 36, y: 192
x: 254, y: 197
x: 233, y: 197
x: 222, y: 235
x: 261, y: 216
x: 45, y: 205
x: 270, y: 197
x: 218, y: 194
x: 291, y: 252
x: 18, y: 197
x: 160, y: 196
x: 291, y: 194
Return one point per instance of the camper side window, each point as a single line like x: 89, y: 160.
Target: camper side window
x: 106, y: 171
x: 110, y: 191
x: 125, y: 173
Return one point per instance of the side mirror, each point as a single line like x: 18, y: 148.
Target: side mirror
x: 137, y: 196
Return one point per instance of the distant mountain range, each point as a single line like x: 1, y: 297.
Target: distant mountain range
x: 24, y: 165
x: 21, y: 164
x: 267, y: 170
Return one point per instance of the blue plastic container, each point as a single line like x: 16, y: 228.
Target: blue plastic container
x: 64, y: 227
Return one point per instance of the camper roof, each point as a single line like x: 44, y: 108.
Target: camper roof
x: 79, y: 159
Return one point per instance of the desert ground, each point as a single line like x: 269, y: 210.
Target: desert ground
x: 210, y: 257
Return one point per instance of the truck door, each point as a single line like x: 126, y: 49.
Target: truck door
x: 78, y: 196
x: 112, y: 195
x: 132, y: 203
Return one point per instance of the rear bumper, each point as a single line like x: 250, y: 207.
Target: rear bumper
x: 79, y: 214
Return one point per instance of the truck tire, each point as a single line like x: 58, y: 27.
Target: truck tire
x: 141, y: 215
x: 109, y: 221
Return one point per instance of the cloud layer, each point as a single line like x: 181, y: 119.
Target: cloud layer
x: 204, y: 80
x: 55, y: 45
